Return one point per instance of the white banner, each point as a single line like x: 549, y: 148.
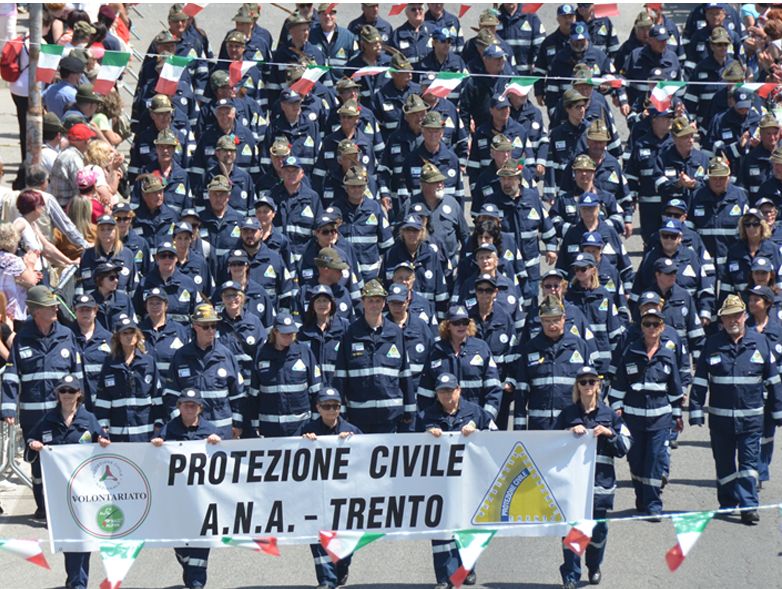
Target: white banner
x: 291, y: 489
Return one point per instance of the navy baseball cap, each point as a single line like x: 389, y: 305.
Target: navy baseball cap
x: 494, y: 51
x: 442, y: 34
x: 182, y: 227
x: 290, y: 96
x: 284, y: 323
x: 84, y: 300
x: 650, y: 298
x: 579, y: 31
x: 486, y: 247
x: 190, y: 395
x: 672, y: 226
x: 584, y: 261
x: 586, y: 370
x: 327, y: 394
x: 742, y: 98
x: 565, y: 9
x: 762, y: 291
x: 488, y: 278
x: 265, y: 200
x: 490, y: 210
x: 589, y: 199
x: 291, y: 162
x: 239, y: 256
x: 321, y: 290
x: 676, y: 203
x: 412, y: 222
x: 397, y: 293
x: 230, y: 285
x: 457, y: 313
x: 592, y: 238
x: 761, y: 264
x: 659, y: 32
x: 69, y: 381
x: 446, y: 380
x: 499, y: 100
x: 250, y: 223
x: 666, y: 266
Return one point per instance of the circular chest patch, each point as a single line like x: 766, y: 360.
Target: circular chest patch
x: 65, y: 353
x: 419, y: 348
x: 447, y: 209
x: 125, y: 271
x: 250, y: 340
x: 429, y: 274
x: 198, y: 279
x: 222, y: 372
x: 343, y: 307
x: 451, y: 173
x: 503, y: 338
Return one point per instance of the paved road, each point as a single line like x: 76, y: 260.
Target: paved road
x: 729, y: 554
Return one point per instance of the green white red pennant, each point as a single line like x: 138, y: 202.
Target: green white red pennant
x: 237, y: 70
x: 611, y: 81
x: 689, y: 527
x: 193, y: 8
x: 117, y: 559
x: 30, y: 550
x: 267, y: 544
x: 370, y: 70
x: 111, y: 67
x: 662, y: 94
x: 762, y: 90
x: 307, y: 81
x: 445, y: 83
x: 340, y: 545
x: 169, y: 76
x: 48, y: 62
x: 471, y: 544
x: 520, y: 86
x: 579, y: 536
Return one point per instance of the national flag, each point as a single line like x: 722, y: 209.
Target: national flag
x: 237, y: 69
x: 463, y: 9
x: 311, y: 75
x: 762, y: 90
x: 48, y: 62
x: 193, y: 8
x: 340, y: 545
x: 602, y: 10
x: 397, y: 9
x: 689, y: 527
x: 520, y: 86
x: 370, y: 70
x: 117, y: 559
x: 610, y: 80
x: 579, y: 536
x: 530, y: 8
x: 30, y: 550
x: 445, y: 83
x: 111, y: 68
x: 267, y: 545
x: 471, y: 544
x: 662, y: 94
x: 170, y: 74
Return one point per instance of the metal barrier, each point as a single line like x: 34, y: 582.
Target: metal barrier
x: 9, y: 436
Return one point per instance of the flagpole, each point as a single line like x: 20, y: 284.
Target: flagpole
x: 34, y: 108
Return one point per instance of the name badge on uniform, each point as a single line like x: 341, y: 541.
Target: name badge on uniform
x: 754, y: 171
x: 46, y: 438
x: 437, y: 363
x: 183, y: 372
x: 109, y: 381
x: 533, y: 358
x: 264, y: 365
x: 357, y: 348
x: 560, y: 144
x: 699, y: 212
x: 25, y: 353
x: 632, y: 369
x: 733, y: 267
x: 714, y: 360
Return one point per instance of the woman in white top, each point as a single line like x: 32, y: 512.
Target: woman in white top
x: 31, y: 206
x: 16, y: 274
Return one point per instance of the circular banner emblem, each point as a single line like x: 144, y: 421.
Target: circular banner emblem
x: 108, y: 496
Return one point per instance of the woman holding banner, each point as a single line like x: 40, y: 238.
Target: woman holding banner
x: 586, y: 413
x: 187, y: 426
x: 68, y: 423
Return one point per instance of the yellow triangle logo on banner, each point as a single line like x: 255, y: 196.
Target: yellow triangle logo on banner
x: 518, y: 494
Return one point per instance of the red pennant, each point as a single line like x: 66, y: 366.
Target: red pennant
x: 397, y: 9
x: 577, y: 541
x: 40, y: 560
x: 268, y: 545
x: 191, y: 9
x: 674, y: 557
x: 657, y: 7
x: 463, y: 9
x: 331, y: 7
x: 530, y: 8
x: 602, y: 10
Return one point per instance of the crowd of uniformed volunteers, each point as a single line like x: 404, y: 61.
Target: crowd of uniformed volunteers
x: 281, y: 256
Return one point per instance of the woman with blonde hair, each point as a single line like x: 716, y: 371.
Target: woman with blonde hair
x: 108, y: 248
x: 129, y: 401
x: 16, y: 274
x: 80, y: 213
x: 460, y: 352
x: 109, y: 118
x: 107, y: 163
x: 754, y: 242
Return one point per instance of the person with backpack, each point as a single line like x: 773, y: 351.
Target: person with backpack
x: 14, y: 62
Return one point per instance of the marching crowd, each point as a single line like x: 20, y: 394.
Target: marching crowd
x: 362, y: 252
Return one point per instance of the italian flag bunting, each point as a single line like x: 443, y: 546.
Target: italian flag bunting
x: 237, y: 70
x: 602, y: 10
x: 762, y: 90
x: 370, y: 70
x: 193, y: 8
x: 30, y: 550
x: 111, y: 67
x: 445, y: 83
x: 267, y: 545
x: 610, y: 80
x: 117, y: 559
x: 340, y: 545
x: 307, y: 81
x: 170, y: 74
x: 529, y: 8
x: 689, y: 528
x: 520, y: 86
x: 579, y: 536
x: 397, y: 9
x: 463, y: 9
x: 662, y: 94
x: 48, y: 61
x: 471, y: 545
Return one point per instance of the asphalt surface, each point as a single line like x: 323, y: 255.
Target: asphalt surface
x: 728, y: 554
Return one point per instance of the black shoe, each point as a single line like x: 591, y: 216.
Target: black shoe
x: 324, y: 586
x: 750, y: 518
x: 40, y: 514
x: 663, y: 481
x: 343, y: 580
x: 471, y: 579
x: 654, y: 518
x: 673, y: 444
x: 595, y: 577
x: 443, y: 586
x: 569, y: 585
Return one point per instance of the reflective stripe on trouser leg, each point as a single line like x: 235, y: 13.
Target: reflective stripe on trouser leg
x: 736, y: 486
x: 194, y: 562
x: 445, y: 557
x: 35, y: 472
x: 648, y: 457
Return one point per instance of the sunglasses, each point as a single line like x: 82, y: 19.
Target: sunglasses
x: 752, y: 224
x: 122, y: 219
x: 552, y: 287
x: 330, y: 407
x: 461, y: 322
x: 669, y: 235
x: 328, y: 231
x: 113, y: 276
x: 230, y: 295
x: 208, y: 327
x: 166, y: 256
x: 651, y: 324
x: 588, y: 382
x: 68, y: 391
x: 484, y: 290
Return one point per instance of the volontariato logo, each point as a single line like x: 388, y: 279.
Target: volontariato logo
x: 108, y: 496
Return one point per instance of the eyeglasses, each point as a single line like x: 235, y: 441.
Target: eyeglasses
x: 461, y: 322
x: 484, y: 290
x: 330, y: 407
x: 230, y: 295
x: 166, y: 256
x: 669, y: 235
x: 752, y: 224
x: 651, y: 324
x: 68, y: 391
x: 208, y: 327
x: 588, y: 382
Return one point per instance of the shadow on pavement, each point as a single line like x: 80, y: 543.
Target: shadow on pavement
x: 21, y: 520
x: 694, y: 483
x: 695, y: 443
